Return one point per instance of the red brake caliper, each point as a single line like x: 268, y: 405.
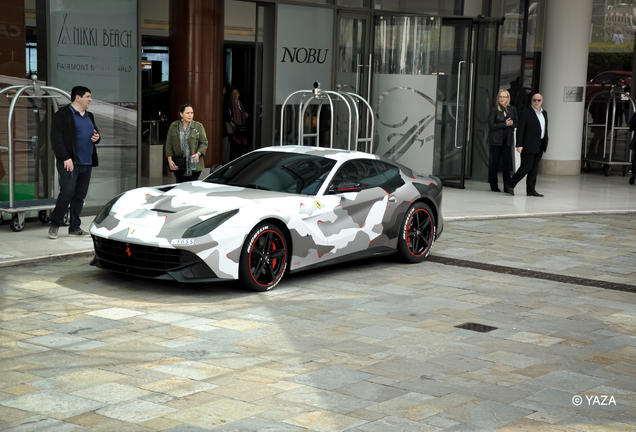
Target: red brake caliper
x: 274, y: 260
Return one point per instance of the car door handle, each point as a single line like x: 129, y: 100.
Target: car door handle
x: 392, y: 198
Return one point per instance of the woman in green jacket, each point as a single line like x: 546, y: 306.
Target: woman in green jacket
x: 187, y: 140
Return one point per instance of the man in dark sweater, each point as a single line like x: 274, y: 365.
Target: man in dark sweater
x: 73, y: 138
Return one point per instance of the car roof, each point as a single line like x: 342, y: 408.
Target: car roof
x: 615, y: 72
x: 337, y: 154
x: 327, y: 152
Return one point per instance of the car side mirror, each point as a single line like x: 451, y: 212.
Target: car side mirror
x: 345, y: 186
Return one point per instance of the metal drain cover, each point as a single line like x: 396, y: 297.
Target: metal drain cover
x: 481, y: 328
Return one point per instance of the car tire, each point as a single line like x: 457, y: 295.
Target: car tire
x: 417, y: 233
x: 263, y: 258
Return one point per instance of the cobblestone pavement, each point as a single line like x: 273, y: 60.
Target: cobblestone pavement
x: 367, y: 346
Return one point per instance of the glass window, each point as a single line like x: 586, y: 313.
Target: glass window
x: 94, y: 44
x: 317, y: 1
x: 611, y: 46
x: 406, y: 45
x: 276, y: 171
x: 430, y: 7
x: 511, y: 36
x: 369, y: 173
x: 355, y: 3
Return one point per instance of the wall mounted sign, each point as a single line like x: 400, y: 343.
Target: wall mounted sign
x: 572, y: 94
x: 304, y: 44
x: 94, y: 44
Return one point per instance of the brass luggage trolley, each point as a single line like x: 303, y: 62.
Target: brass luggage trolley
x: 356, y: 106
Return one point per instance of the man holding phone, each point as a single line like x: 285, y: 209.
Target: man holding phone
x: 532, y: 142
x: 73, y: 139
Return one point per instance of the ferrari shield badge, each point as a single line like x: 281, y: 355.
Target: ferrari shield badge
x: 318, y: 204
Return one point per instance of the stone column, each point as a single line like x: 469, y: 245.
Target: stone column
x: 196, y: 66
x: 565, y: 55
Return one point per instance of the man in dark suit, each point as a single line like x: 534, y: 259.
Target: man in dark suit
x: 532, y: 142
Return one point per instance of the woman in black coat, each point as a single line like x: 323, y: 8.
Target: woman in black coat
x: 502, y: 121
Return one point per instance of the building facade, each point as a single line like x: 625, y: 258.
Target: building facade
x: 430, y: 69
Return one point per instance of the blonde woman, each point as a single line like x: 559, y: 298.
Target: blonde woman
x: 502, y: 121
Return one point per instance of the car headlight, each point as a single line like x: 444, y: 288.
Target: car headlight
x: 103, y: 213
x: 208, y: 225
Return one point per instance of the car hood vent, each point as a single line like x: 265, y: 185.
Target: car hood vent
x: 166, y: 188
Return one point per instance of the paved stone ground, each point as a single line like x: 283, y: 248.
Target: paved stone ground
x: 367, y: 347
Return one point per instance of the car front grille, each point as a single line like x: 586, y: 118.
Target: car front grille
x: 137, y: 256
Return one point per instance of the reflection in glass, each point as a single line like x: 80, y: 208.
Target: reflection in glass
x: 453, y: 75
x: 484, y: 96
x: 406, y: 45
x: 511, y: 46
x: 404, y: 86
x: 352, y: 69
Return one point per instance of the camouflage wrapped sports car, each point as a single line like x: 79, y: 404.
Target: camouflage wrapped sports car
x: 277, y: 209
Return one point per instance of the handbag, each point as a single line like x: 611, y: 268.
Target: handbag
x: 179, y: 161
x: 240, y: 131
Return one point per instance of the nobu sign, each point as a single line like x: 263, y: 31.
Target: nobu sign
x: 304, y: 55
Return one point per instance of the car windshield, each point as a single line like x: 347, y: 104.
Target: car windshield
x: 276, y: 171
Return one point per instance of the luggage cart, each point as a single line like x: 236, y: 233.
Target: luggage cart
x: 354, y: 104
x: 43, y: 206
x: 609, y: 156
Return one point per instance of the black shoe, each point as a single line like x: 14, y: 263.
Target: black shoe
x: 535, y: 193
x: 509, y: 190
x: 632, y: 179
x: 495, y: 188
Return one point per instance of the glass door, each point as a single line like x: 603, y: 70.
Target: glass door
x: 353, y: 53
x: 483, y: 98
x: 352, y: 70
x: 454, y: 75
x: 404, y: 88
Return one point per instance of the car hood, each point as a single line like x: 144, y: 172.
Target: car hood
x: 183, y: 205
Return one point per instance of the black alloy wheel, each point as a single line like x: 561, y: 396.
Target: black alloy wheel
x: 264, y: 258
x: 417, y: 233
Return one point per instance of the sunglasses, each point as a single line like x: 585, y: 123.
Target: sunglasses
x: 536, y: 100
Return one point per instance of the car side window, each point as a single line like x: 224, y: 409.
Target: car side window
x: 380, y: 174
x: 347, y: 171
x: 369, y: 173
x: 605, y: 78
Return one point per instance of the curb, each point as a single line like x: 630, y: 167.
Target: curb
x: 534, y: 215
x: 22, y: 261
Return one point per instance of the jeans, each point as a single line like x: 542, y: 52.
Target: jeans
x: 73, y: 190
